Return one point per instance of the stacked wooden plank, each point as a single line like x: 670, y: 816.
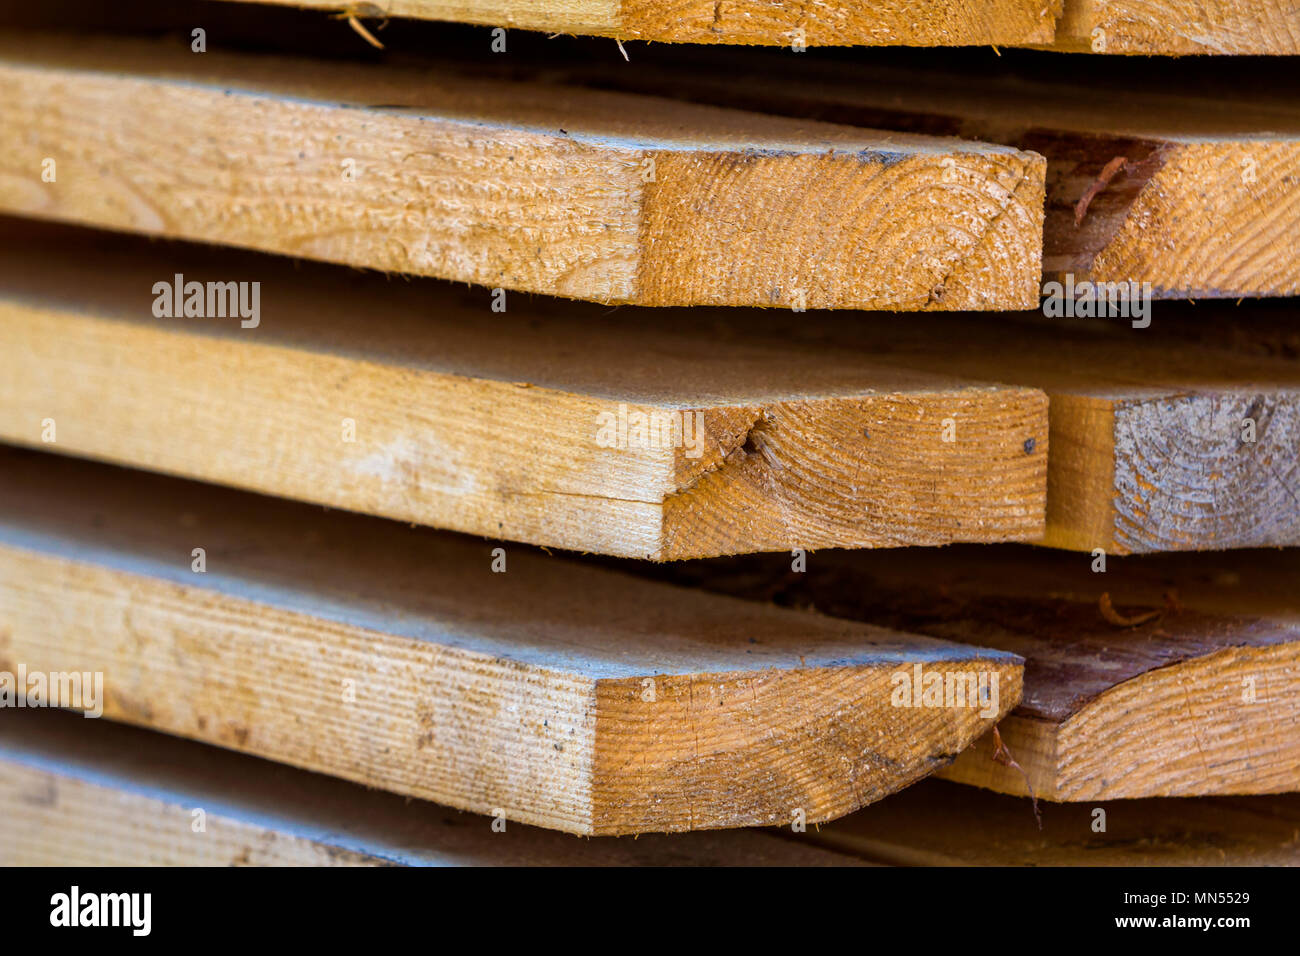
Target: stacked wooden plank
x: 92, y: 794
x: 1159, y: 677
x: 1098, y: 26
x: 306, y: 361
x: 1190, y: 190
x: 569, y: 697
x: 386, y: 169
x: 910, y: 22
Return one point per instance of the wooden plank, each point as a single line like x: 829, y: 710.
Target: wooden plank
x: 1149, y: 448
x: 1178, y: 27
x: 566, y: 697
x: 516, y: 185
x: 1146, y: 27
x: 89, y: 793
x: 937, y: 824
x: 1198, y: 695
x: 520, y: 425
x: 836, y: 23
x: 1203, y: 203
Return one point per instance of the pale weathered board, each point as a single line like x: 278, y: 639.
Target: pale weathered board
x: 75, y: 792
x: 1194, y: 194
x: 1177, y: 27
x: 419, y: 402
x: 503, y: 683
x: 937, y: 823
x: 1184, y: 679
x: 566, y: 191
x: 831, y: 23
x: 1181, y: 436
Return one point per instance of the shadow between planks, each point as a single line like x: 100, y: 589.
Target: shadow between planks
x: 937, y: 823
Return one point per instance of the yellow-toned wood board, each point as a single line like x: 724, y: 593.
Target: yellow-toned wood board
x: 1151, y: 27
x: 1184, y: 435
x: 1179, y: 27
x: 635, y: 433
x: 937, y: 823
x: 1170, y: 675
x: 90, y: 793
x: 835, y: 23
x: 1173, y: 28
x: 505, y: 683
x: 1193, y: 194
x: 566, y: 191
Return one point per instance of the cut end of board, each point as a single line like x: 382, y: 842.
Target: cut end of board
x: 858, y: 472
x: 529, y: 186
x: 1195, y: 469
x: 776, y: 747
x: 1194, y: 727
x: 933, y: 227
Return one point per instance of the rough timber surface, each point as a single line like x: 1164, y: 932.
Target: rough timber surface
x: 836, y: 22
x: 88, y: 793
x: 515, y: 424
x: 1181, y: 436
x: 534, y: 187
x: 1179, y: 27
x: 543, y: 692
x: 1172, y: 675
x: 1187, y: 188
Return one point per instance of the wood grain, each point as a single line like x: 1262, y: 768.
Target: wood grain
x: 1172, y: 28
x: 838, y: 23
x: 517, y: 425
x: 1179, y: 27
x: 1204, y: 204
x: 515, y: 185
x: 1198, y: 698
x: 938, y: 824
x: 90, y: 793
x: 1149, y: 448
x: 570, y: 698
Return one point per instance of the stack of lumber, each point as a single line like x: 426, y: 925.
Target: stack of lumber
x: 93, y: 793
x: 310, y: 364
x: 570, y: 697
